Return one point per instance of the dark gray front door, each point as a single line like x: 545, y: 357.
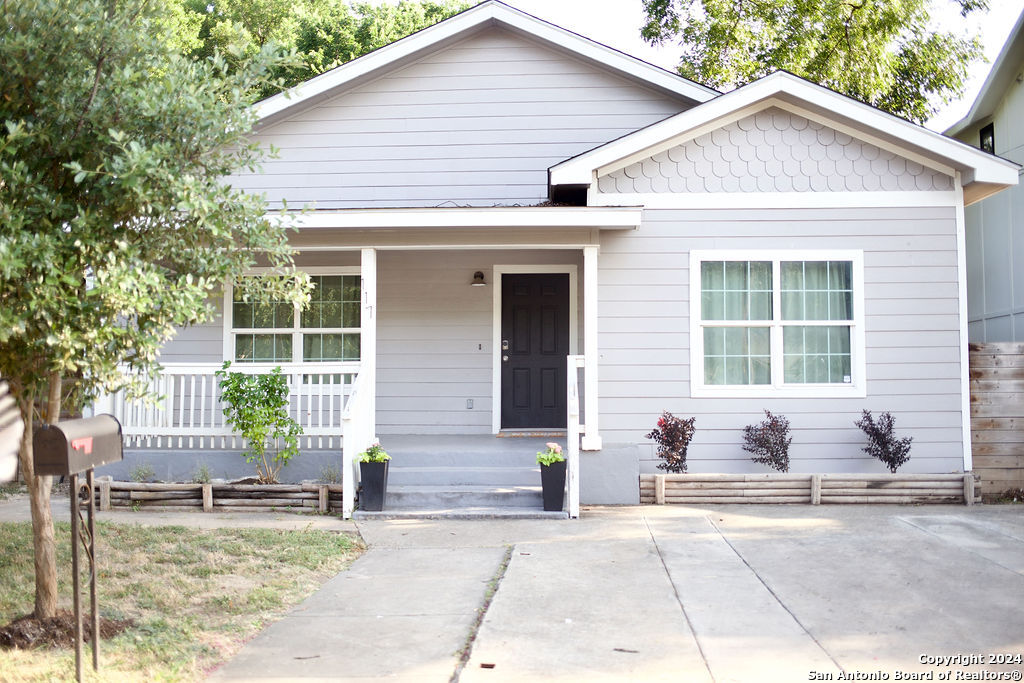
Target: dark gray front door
x: 535, y: 342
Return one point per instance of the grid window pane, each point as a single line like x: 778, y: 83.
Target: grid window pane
x: 814, y: 354
x: 736, y: 290
x: 278, y: 314
x: 263, y: 348
x: 330, y: 347
x: 334, y: 302
x: 808, y: 291
x: 737, y: 355
x: 817, y: 290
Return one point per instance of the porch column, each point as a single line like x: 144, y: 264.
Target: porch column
x: 368, y: 336
x: 592, y: 437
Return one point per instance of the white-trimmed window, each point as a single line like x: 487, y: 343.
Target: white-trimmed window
x: 777, y: 323
x: 327, y: 331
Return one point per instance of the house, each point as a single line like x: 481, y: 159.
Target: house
x: 511, y: 221
x: 995, y: 227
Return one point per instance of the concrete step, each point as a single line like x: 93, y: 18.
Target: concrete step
x: 475, y: 475
x: 447, y: 497
x: 441, y: 458
x: 463, y: 451
x: 461, y: 513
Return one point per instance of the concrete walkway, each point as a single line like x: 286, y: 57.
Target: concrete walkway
x: 739, y: 593
x: 718, y: 593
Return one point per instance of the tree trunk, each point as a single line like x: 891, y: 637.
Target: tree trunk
x: 43, y: 541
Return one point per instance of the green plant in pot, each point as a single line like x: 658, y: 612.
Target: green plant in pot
x: 552, y: 476
x: 373, y: 475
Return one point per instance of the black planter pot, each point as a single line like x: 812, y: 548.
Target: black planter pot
x: 552, y: 480
x: 374, y: 476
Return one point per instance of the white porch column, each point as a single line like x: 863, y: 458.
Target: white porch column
x: 368, y: 336
x: 592, y: 437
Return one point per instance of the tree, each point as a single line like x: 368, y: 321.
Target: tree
x: 323, y: 33
x: 115, y: 224
x: 887, y: 54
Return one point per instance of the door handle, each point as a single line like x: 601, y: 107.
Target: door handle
x: 504, y: 359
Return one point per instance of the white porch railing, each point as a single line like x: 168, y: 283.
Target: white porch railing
x: 359, y: 433
x: 573, y: 429
x: 183, y: 407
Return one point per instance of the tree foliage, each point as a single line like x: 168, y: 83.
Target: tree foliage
x: 322, y: 33
x: 885, y: 53
x: 115, y: 224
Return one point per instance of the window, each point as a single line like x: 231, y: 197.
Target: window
x: 988, y: 138
x: 328, y: 330
x: 776, y: 323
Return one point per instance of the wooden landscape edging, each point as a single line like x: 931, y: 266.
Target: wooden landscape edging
x: 997, y: 416
x: 813, y: 489
x: 210, y: 497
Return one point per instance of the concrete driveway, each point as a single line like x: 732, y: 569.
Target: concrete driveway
x: 721, y: 593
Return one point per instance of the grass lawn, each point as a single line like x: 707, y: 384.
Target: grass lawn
x: 195, y: 595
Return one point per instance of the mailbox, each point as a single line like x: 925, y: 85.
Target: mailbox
x: 74, y: 446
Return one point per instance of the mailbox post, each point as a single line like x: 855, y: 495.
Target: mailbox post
x: 70, y: 448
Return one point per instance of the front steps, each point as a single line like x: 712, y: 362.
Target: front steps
x: 463, y: 477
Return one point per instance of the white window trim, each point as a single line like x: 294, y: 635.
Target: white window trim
x: 228, y: 351
x: 855, y: 389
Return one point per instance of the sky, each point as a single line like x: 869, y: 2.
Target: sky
x: 616, y: 23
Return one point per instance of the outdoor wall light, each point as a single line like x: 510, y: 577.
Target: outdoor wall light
x: 478, y: 279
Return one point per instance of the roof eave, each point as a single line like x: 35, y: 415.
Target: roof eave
x: 976, y: 165
x: 1004, y: 69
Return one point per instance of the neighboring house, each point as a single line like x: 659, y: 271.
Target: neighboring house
x: 778, y: 247
x: 995, y: 227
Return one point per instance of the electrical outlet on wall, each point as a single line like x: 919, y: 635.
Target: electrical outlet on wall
x: 469, y: 404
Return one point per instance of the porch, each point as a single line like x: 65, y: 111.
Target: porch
x: 420, y: 348
x: 431, y: 475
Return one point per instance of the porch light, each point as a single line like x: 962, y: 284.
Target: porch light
x: 478, y: 279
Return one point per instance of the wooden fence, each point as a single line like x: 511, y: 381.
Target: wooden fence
x: 217, y: 497
x: 997, y: 416
x: 814, y: 489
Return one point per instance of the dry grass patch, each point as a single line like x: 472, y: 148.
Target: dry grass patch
x: 195, y: 595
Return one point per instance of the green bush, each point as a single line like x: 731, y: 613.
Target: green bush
x: 256, y: 407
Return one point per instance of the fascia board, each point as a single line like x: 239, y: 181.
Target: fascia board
x: 999, y: 78
x: 496, y: 13
x: 984, y: 167
x: 628, y: 65
x: 605, y: 218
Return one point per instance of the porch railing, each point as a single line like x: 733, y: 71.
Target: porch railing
x: 182, y: 408
x: 358, y: 429
x: 573, y: 431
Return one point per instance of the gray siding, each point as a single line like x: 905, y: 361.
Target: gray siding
x: 774, y: 151
x: 434, y: 338
x: 995, y: 235
x: 199, y: 343
x: 477, y: 123
x: 911, y: 323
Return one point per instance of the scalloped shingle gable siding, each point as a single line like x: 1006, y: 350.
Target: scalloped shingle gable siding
x: 774, y: 151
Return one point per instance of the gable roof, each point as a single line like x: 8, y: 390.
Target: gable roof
x: 488, y: 14
x: 982, y: 173
x: 1004, y: 70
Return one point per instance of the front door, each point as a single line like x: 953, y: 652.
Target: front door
x: 534, y: 346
